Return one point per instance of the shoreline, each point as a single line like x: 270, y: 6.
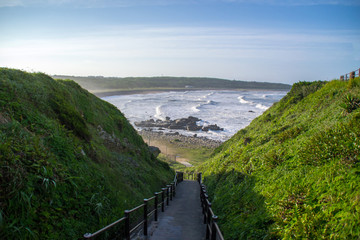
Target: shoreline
x: 179, y: 140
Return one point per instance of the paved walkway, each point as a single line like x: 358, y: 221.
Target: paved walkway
x: 182, y: 219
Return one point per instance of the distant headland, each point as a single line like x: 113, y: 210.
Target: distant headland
x: 107, y: 86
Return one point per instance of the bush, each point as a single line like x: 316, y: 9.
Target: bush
x: 350, y: 103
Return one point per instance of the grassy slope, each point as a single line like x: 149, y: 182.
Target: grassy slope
x: 112, y: 83
x: 70, y: 162
x: 294, y: 172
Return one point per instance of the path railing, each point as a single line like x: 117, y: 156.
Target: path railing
x: 139, y: 216
x: 190, y: 175
x: 350, y: 75
x: 213, y: 231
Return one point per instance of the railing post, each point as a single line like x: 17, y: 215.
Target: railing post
x: 352, y: 75
x: 205, y: 207
x: 208, y: 217
x: 163, y: 199
x: 127, y: 224
x: 156, y: 206
x: 174, y: 189
x: 167, y: 194
x: 342, y: 78
x: 203, y: 193
x: 145, y: 216
x: 213, y: 227
x: 171, y: 192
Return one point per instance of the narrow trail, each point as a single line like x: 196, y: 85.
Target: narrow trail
x: 171, y: 151
x: 183, y: 219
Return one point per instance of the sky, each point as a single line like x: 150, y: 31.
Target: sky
x: 283, y: 41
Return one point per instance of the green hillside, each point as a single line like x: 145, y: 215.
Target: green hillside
x: 70, y: 163
x: 294, y: 172
x: 102, y: 84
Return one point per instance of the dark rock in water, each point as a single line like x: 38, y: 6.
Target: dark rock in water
x: 154, y: 150
x: 172, y: 134
x: 251, y: 111
x: 213, y: 127
x: 193, y: 128
x: 188, y: 124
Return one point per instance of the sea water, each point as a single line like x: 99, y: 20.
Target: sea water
x: 230, y: 110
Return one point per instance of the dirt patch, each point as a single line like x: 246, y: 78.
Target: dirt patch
x: 170, y: 151
x: 3, y: 119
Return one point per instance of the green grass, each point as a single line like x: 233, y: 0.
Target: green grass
x: 70, y: 163
x: 294, y: 172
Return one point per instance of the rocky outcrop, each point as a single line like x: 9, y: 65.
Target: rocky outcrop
x: 154, y: 150
x: 188, y: 124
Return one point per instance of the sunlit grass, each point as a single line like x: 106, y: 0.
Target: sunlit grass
x: 293, y: 173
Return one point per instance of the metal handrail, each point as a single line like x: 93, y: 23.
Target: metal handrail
x: 136, y: 208
x: 91, y: 235
x: 213, y: 231
x: 160, y: 200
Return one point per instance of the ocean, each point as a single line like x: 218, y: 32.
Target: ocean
x: 230, y: 110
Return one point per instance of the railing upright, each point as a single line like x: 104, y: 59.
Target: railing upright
x: 163, y: 199
x: 156, y: 204
x: 171, y: 191
x: 213, y: 227
x: 127, y: 224
x: 174, y: 189
x: 145, y: 216
x: 167, y: 195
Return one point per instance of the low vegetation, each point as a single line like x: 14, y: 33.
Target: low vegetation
x: 70, y: 163
x: 294, y: 172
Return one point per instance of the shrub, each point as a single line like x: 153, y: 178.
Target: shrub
x: 350, y: 103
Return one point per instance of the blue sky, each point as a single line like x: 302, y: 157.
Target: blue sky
x: 255, y: 40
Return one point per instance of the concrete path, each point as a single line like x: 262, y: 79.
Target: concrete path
x: 182, y: 219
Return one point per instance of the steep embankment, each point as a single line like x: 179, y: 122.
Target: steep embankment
x: 294, y: 172
x: 70, y: 162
